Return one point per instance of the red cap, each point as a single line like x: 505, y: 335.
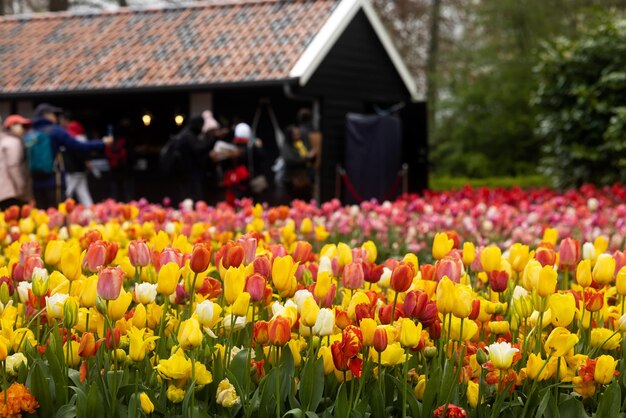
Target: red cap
x: 75, y: 128
x: 13, y: 119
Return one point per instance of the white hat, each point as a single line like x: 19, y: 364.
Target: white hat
x: 243, y: 131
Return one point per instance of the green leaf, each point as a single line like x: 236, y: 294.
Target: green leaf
x: 240, y: 368
x: 610, y: 401
x: 188, y: 395
x: 312, y: 384
x: 341, y: 404
x: 296, y: 412
x: 545, y: 402
x: 94, y: 403
x: 66, y: 411
x: 572, y: 408
x: 40, y: 388
x: 410, y: 396
x: 376, y: 403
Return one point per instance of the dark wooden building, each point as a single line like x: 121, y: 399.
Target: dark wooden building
x: 230, y: 56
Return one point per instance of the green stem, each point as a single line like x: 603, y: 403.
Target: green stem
x: 393, y: 308
x: 481, y: 379
x: 162, y: 327
x: 192, y: 295
x: 278, y: 382
x: 380, y: 376
x: 556, y: 387
x: 498, y: 395
x: 193, y: 379
x: 404, y: 384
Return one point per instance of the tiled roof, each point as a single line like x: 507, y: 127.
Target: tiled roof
x: 204, y: 44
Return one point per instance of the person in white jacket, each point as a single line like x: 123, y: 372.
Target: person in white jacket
x: 15, y: 183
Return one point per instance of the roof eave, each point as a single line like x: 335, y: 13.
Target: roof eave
x: 332, y: 30
x: 149, y: 89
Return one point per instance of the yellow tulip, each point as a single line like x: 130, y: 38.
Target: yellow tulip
x: 357, y: 299
x: 563, y: 306
x: 72, y: 358
x: 70, y: 263
x: 240, y: 307
x: 605, y: 369
x: 309, y: 313
x: 469, y: 329
x: 234, y: 283
x: 175, y: 394
x: 547, y: 281
x: 174, y: 368
x: 54, y: 249
x: 140, y: 317
x: 472, y: 394
x: 326, y: 355
x: 368, y: 327
x: 283, y: 275
x: 536, y: 363
x: 410, y: 333
x: 469, y: 253
x: 445, y: 296
x: 146, y: 404
x: 393, y: 355
x: 599, y: 336
x: 560, y: 342
x: 604, y: 269
x: 583, y: 273
x: 518, y: 256
x: 138, y: 346
x: 412, y: 259
x: 226, y: 394
x: 322, y: 285
x: 550, y: 235
x: 117, y: 308
x: 344, y: 254
x: 620, y: 281
x: 600, y: 244
x: 4, y: 351
x: 530, y: 274
x: 89, y: 292
x: 442, y: 245
x: 168, y: 278
x: 463, y: 298
x: 320, y: 233
x: 306, y: 226
x: 490, y: 258
x: 372, y: 251
x: 420, y: 387
x: 189, y: 334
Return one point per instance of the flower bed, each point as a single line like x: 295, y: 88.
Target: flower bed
x: 138, y: 309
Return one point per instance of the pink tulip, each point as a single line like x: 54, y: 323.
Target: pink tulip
x: 110, y: 282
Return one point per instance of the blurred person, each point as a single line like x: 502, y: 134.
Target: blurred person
x: 312, y: 139
x: 47, y: 133
x: 76, y: 184
x: 120, y: 156
x: 194, y: 149
x: 15, y: 183
x: 298, y: 159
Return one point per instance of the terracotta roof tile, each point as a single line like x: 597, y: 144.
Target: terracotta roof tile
x: 210, y: 43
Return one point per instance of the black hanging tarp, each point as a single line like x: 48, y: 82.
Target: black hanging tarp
x: 373, y: 157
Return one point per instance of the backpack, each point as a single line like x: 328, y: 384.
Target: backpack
x: 170, y: 157
x: 39, y: 151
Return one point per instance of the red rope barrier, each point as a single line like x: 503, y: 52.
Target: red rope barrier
x: 355, y: 194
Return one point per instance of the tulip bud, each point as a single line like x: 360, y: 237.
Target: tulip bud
x: 262, y: 266
x: 255, y: 286
x: 302, y: 252
x: 70, y: 312
x: 40, y: 282
x: 101, y: 306
x: 481, y: 356
x: 261, y: 335
x: 353, y: 275
x: 139, y: 253
x: 430, y: 352
x: 4, y: 293
x: 380, y: 339
x: 146, y: 404
x: 469, y: 253
x: 279, y: 331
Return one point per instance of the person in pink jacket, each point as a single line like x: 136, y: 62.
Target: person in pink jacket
x: 15, y: 183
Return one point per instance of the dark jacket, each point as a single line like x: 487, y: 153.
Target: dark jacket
x: 59, y: 137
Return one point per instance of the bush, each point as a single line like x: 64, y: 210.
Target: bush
x: 449, y: 183
x: 582, y: 117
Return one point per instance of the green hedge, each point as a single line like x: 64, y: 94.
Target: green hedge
x: 448, y: 183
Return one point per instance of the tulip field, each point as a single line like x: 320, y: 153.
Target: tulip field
x: 468, y: 303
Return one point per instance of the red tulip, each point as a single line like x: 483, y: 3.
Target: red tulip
x: 32, y: 261
x: 255, y: 285
x: 475, y: 310
x: 230, y: 255
x: 171, y: 255
x: 139, y: 253
x: 278, y: 331
x: 545, y: 255
x: 449, y: 266
x: 302, y: 252
x: 380, y: 340
x: 402, y: 277
x: 434, y: 330
x: 110, y: 282
x: 363, y: 310
x: 342, y: 320
x: 261, y: 332
x: 372, y: 272
x: 384, y: 314
x: 353, y: 276
x: 200, y: 258
x: 569, y: 254
x: 452, y: 411
x: 95, y: 257
x: 428, y: 271
x: 594, y: 300
x: 499, y: 281
x: 262, y: 266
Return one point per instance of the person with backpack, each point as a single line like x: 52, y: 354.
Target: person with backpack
x: 15, y: 185
x: 43, y: 147
x: 75, y: 164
